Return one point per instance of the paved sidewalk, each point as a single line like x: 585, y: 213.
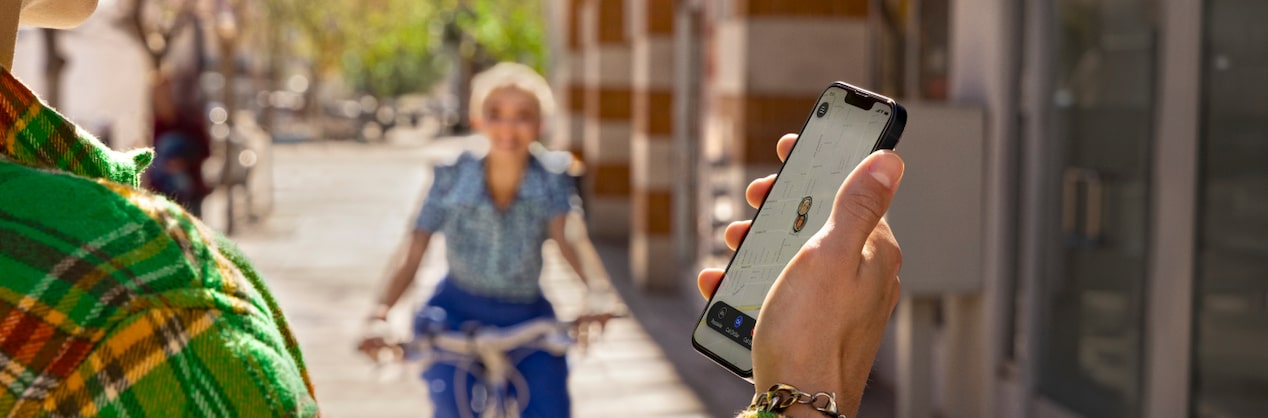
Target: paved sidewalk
x: 341, y: 215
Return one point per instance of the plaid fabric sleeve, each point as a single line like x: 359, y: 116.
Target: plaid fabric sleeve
x: 176, y: 362
x: 118, y: 303
x: 114, y: 301
x: 37, y: 135
x: 250, y: 361
x: 234, y: 255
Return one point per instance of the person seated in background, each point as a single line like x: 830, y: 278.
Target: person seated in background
x: 182, y: 142
x: 116, y: 301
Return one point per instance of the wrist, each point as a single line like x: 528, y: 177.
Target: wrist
x: 597, y: 299
x: 811, y: 368
x: 790, y: 401
x: 591, y: 285
x: 845, y: 382
x: 379, y: 313
x: 801, y: 411
x: 848, y: 395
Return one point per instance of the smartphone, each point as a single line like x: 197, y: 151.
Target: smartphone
x: 845, y: 125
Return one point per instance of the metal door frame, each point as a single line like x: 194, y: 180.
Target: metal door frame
x: 1169, y: 309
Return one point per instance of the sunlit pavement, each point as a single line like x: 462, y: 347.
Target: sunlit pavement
x: 341, y: 214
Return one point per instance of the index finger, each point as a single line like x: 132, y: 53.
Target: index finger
x: 785, y: 146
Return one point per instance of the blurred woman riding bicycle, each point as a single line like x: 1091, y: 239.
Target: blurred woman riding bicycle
x: 495, y: 211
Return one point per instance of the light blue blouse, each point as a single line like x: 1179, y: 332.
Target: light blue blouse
x: 493, y: 252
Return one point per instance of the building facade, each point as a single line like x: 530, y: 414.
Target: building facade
x: 1140, y: 273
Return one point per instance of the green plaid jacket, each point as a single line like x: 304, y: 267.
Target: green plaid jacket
x: 114, y: 301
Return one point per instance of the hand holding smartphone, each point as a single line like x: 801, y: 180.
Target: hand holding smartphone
x: 846, y: 124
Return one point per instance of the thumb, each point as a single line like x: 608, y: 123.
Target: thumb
x: 863, y: 199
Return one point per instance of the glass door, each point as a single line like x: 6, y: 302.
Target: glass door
x: 1101, y: 115
x: 1230, y: 358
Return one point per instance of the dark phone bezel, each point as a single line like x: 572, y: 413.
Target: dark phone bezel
x: 855, y: 96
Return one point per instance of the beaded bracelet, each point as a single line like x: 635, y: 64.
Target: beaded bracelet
x: 781, y: 396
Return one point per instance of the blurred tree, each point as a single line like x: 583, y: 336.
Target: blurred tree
x: 156, y: 23
x: 392, y: 47
x: 228, y: 19
x: 398, y: 52
x: 54, y: 66
x: 501, y: 30
x: 402, y: 48
x: 479, y: 33
x: 891, y: 64
x: 325, y: 29
x: 276, y: 53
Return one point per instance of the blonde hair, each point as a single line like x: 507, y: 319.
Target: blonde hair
x: 515, y: 75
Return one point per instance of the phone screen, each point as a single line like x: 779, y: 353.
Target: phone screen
x: 836, y: 137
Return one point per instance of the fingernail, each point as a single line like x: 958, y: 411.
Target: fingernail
x: 886, y: 168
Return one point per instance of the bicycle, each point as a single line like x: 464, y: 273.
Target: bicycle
x: 486, y: 353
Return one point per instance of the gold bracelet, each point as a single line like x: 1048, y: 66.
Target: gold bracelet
x: 781, y: 396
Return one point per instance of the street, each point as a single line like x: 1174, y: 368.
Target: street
x: 341, y: 214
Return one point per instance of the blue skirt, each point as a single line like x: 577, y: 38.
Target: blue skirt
x: 546, y: 374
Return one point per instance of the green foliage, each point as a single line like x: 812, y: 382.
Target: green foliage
x: 507, y: 30
x: 321, y: 27
x: 392, y: 47
x: 395, y: 50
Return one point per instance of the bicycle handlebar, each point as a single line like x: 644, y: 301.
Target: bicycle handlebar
x: 493, y: 346
x: 547, y: 334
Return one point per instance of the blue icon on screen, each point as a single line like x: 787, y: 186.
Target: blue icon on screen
x: 739, y: 320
